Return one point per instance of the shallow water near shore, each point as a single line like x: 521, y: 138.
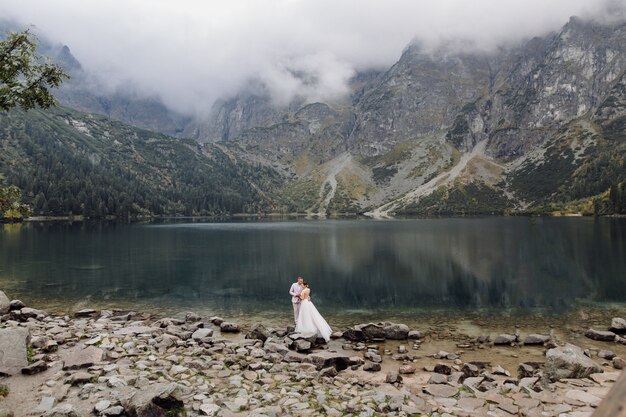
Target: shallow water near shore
x: 482, y: 270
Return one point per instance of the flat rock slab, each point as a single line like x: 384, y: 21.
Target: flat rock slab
x: 83, y: 358
x: 469, y: 403
x: 132, y: 330
x: 600, y: 335
x: 13, y: 343
x: 442, y: 391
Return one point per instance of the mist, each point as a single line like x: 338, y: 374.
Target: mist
x: 192, y: 52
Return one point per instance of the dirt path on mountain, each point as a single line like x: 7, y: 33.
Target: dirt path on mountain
x: 334, y: 168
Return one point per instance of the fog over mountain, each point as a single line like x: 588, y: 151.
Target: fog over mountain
x: 190, y: 53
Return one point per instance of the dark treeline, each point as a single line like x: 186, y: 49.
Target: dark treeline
x: 67, y: 164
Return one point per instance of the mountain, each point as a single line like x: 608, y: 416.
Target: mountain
x: 68, y: 162
x: 531, y: 127
x: 538, y: 127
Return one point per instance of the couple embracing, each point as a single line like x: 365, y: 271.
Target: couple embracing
x: 306, y: 316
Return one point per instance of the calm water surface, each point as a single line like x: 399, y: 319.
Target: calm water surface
x: 355, y: 267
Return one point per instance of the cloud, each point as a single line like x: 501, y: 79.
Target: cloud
x: 191, y: 52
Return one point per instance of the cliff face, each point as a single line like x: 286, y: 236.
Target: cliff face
x: 421, y: 121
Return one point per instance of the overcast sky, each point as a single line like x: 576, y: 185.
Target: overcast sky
x: 191, y: 52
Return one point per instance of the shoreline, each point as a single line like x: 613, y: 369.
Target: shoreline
x: 207, y: 366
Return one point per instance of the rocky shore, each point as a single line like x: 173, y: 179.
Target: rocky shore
x: 122, y: 363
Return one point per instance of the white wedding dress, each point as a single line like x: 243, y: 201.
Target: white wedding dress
x: 311, y: 321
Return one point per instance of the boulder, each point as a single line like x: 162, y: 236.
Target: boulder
x: 13, y: 343
x: 371, y: 367
x: 35, y: 368
x: 442, y: 368
x: 227, y: 327
x: 470, y: 370
x: 259, y: 332
x: 325, y: 359
x: 301, y: 345
x: 504, y: 339
x: 158, y: 400
x: 62, y: 410
x: 83, y: 358
x: 436, y: 378
x: 354, y: 335
x: 606, y: 354
x: 5, y: 304
x: 619, y: 363
x: 536, y: 339
x: 372, y: 331
x: 396, y: 331
x: 600, y: 335
x: 569, y: 361
x: 618, y: 325
x: 393, y: 378
x: 406, y: 369
x: 16, y: 305
x: 201, y: 334
x: 192, y: 317
x: 414, y: 334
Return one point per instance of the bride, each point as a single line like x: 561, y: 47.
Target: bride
x: 309, y: 319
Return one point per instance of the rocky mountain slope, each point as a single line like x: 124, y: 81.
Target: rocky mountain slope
x: 539, y: 127
x: 520, y: 128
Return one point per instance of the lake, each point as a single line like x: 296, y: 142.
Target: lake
x: 356, y: 268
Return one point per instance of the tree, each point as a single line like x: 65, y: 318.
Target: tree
x: 11, y: 209
x: 25, y: 81
x: 25, y: 76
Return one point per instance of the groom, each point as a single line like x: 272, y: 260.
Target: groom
x: 295, y: 290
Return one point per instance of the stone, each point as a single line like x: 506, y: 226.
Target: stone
x: 331, y: 372
x: 201, y: 334
x: 469, y: 403
x: 438, y: 390
x: 83, y: 358
x: 372, y: 356
x: 227, y: 327
x: 436, y: 378
x: 13, y: 343
x: 442, y: 368
x: 600, y: 335
x: 62, y: 410
x: 619, y: 363
x: 113, y: 411
x: 618, y: 325
x: 396, y: 331
x: 87, y: 312
x: 102, y: 405
x: 606, y: 354
x: 5, y: 304
x: 470, y: 370
x: 582, y: 396
x: 45, y: 405
x: 498, y: 370
x: 209, y: 409
x: 536, y: 339
x: 134, y: 330
x: 372, y: 331
x: 372, y: 367
x: 569, y: 361
x: 273, y: 347
x: 354, y: 335
x: 258, y: 332
x: 325, y: 359
x: 504, y: 339
x: 414, y: 335
x: 406, y: 369
x: 158, y: 400
x: 16, y: 305
x: 192, y: 317
x: 35, y: 368
x: 302, y: 345
x: 393, y: 378
x: 81, y: 377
